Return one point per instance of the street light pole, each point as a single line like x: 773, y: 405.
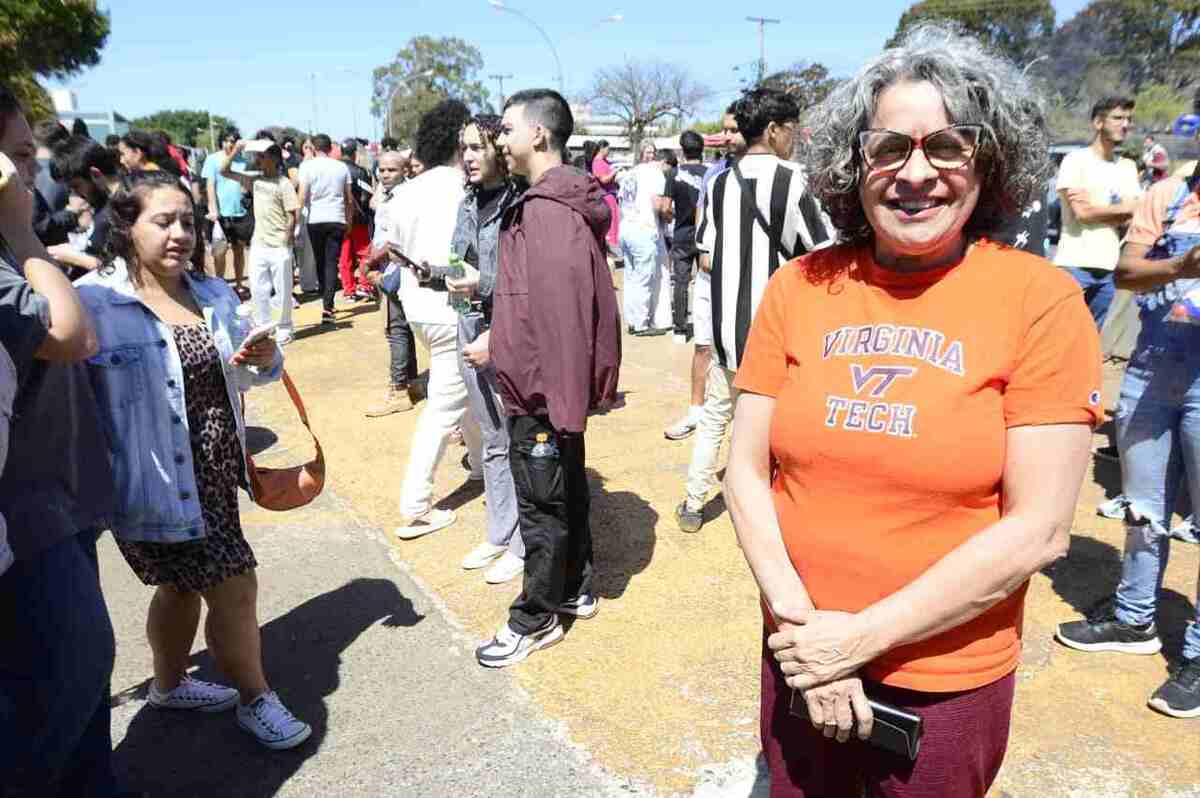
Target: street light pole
x: 762, y: 43
x: 500, y: 6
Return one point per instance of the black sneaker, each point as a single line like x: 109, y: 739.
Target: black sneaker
x: 1179, y: 696
x: 1101, y: 631
x: 688, y: 520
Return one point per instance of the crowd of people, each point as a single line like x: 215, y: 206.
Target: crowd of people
x: 828, y: 280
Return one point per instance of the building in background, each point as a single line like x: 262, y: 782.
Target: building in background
x: 100, y: 123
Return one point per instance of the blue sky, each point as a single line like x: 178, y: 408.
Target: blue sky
x: 252, y: 61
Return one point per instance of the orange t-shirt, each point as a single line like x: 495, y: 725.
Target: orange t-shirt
x: 1150, y: 217
x: 893, y: 393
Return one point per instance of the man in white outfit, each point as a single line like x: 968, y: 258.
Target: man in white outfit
x: 423, y: 213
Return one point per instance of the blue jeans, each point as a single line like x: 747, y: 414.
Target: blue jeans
x: 56, y: 659
x: 1098, y: 290
x: 1158, y: 437
x: 640, y: 248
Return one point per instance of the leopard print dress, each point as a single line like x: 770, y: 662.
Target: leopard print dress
x: 199, y: 565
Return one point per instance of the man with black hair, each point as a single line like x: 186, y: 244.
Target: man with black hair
x: 93, y: 173
x: 759, y: 215
x: 683, y: 189
x: 325, y: 191
x: 423, y: 213
x: 55, y: 211
x: 556, y: 347
x: 1099, y: 191
x: 355, y: 285
x: 226, y: 207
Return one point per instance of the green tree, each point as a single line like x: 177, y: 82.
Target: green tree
x: 1152, y: 41
x: 185, y: 126
x: 1017, y: 28
x: 1158, y: 106
x: 47, y: 38
x: 425, y: 72
x: 808, y: 83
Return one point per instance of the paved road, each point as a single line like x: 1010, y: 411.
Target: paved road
x: 357, y: 649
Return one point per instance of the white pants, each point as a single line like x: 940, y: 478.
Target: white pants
x: 304, y: 256
x: 271, y: 271
x: 445, y: 409
x: 660, y: 297
x: 719, y: 396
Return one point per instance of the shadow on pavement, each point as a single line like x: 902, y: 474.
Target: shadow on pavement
x: 1090, y: 573
x: 171, y: 754
x: 623, y: 536
x: 259, y: 439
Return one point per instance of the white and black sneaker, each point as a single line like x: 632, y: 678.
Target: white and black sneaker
x: 271, y: 723
x: 1179, y: 696
x: 584, y: 606
x: 194, y: 694
x: 509, y: 647
x: 1101, y: 631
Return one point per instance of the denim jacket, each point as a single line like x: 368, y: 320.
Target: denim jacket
x: 138, y: 381
x: 480, y: 237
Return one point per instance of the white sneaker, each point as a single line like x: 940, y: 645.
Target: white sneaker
x: 481, y: 555
x: 679, y: 338
x: 432, y: 521
x: 683, y: 428
x: 584, y: 606
x: 508, y: 566
x: 509, y: 647
x: 194, y: 694
x: 271, y: 723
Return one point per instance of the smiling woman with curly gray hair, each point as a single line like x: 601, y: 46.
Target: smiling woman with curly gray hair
x: 977, y: 87
x: 912, y: 431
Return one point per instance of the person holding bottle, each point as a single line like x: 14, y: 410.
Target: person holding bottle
x: 173, y: 361
x: 476, y: 240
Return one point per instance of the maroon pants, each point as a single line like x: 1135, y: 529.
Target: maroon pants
x: 966, y: 735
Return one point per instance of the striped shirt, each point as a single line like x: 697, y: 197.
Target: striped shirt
x: 743, y: 257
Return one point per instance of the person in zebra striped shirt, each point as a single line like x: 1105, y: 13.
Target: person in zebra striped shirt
x: 758, y: 215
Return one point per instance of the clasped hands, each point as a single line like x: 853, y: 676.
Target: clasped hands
x: 819, y: 653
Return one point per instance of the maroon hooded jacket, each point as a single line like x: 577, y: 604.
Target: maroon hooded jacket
x: 556, y: 330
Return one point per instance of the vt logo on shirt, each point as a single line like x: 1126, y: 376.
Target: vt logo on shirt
x: 873, y: 382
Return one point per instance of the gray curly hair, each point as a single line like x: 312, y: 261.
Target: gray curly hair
x: 978, y: 87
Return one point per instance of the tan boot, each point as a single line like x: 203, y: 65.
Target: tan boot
x: 396, y: 401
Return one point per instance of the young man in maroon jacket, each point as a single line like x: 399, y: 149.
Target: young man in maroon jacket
x: 556, y: 346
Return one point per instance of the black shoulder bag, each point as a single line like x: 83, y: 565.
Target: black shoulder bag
x: 748, y: 196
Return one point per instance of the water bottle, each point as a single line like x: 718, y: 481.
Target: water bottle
x: 543, y: 447
x: 459, y: 301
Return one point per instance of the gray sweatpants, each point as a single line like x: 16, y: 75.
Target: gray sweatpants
x: 483, y: 402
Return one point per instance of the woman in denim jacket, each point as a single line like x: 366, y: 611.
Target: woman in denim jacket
x: 168, y: 379
x: 1158, y: 434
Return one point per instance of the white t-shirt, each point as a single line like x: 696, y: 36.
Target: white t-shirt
x: 325, y: 180
x: 1098, y: 245
x: 639, y: 187
x: 422, y: 214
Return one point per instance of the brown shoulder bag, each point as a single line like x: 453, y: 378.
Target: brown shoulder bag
x: 288, y: 488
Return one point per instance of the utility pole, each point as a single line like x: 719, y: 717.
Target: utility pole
x: 312, y: 76
x: 500, y: 80
x: 762, y: 43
